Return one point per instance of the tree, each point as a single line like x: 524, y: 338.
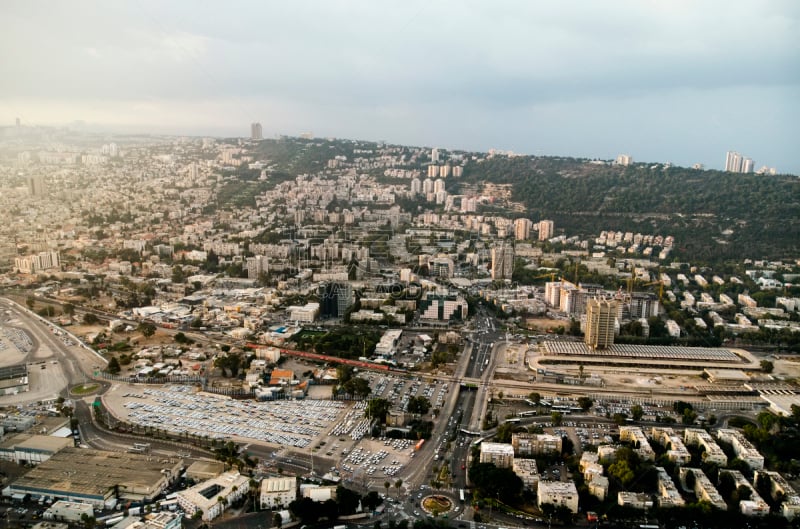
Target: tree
x: 622, y: 471
x: 277, y: 520
x: 377, y: 409
x: 113, y: 366
x: 30, y: 301
x: 90, y: 319
x: 69, y: 309
x: 557, y: 418
x: 419, y: 405
x: 535, y: 398
x: 637, y: 412
x: 397, y: 485
x: 767, y: 366
x: 147, y: 329
x: 585, y: 402
x: 690, y: 479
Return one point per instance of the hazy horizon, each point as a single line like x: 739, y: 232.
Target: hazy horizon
x: 675, y: 81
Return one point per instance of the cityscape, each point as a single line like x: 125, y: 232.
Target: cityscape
x: 426, y: 265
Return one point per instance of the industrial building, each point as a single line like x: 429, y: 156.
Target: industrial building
x: 205, y: 497
x: 278, y: 492
x: 13, y: 379
x: 653, y: 357
x: 68, y: 511
x: 96, y: 476
x: 32, y: 449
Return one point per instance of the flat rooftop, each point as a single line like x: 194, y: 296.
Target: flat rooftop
x: 94, y: 472
x: 645, y: 352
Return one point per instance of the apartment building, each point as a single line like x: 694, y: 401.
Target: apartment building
x: 525, y: 444
x: 711, y: 450
x: 703, y: 488
x: 743, y: 448
x: 557, y: 493
x: 677, y: 452
x: 501, y: 454
x: 635, y: 436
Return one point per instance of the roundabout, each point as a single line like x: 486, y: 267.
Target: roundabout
x: 437, y: 504
x: 84, y: 389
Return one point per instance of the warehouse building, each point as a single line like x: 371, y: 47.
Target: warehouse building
x: 278, y: 492
x: 32, y: 449
x: 13, y: 379
x: 96, y: 476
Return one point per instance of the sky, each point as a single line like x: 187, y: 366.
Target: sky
x: 665, y: 81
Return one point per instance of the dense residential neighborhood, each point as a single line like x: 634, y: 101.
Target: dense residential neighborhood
x: 307, y: 330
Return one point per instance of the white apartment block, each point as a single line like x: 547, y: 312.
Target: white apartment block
x: 305, y: 314
x: 711, y: 450
x: 278, y: 492
x: 535, y: 444
x: 703, y: 488
x: 598, y: 487
x: 668, y: 492
x: 635, y: 500
x: 546, y: 228
x: 527, y: 471
x: 37, y: 263
x: 501, y: 454
x: 205, y: 497
x: 778, y: 486
x: 755, y: 506
x: 557, y: 493
x: 743, y: 448
x: 635, y: 436
x: 667, y: 437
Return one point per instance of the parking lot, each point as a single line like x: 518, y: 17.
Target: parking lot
x: 334, y: 429
x: 399, y: 391
x: 179, y: 409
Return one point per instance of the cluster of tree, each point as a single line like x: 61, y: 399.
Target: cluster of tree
x: 630, y: 472
x: 229, y: 362
x: 309, y: 511
x: 343, y: 342
x: 685, y: 410
x: 231, y: 454
x: 349, y: 385
x: 693, y: 206
x: 419, y: 405
x: 777, y: 438
x: 498, y: 483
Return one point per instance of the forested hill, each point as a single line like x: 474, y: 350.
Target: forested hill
x: 712, y: 214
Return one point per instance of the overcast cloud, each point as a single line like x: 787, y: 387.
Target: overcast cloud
x: 672, y: 80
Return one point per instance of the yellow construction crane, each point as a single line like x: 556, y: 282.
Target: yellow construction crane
x: 660, y: 288
x: 632, y: 281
